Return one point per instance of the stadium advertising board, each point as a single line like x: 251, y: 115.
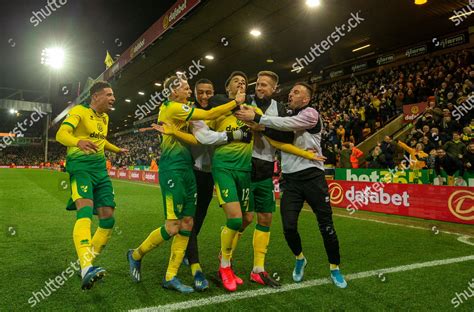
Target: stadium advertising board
x: 134, y: 175
x: 165, y: 22
x: 424, y: 176
x: 442, y: 203
x: 412, y: 111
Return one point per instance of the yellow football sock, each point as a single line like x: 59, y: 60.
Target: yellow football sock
x: 261, y: 239
x: 178, y: 248
x: 102, y: 235
x: 82, y: 237
x: 195, y: 267
x: 155, y: 238
x: 228, y: 234
x: 235, y: 242
x: 333, y: 266
x: 227, y: 237
x: 300, y: 256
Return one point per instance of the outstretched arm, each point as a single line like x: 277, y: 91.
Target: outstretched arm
x: 291, y: 149
x: 306, y: 119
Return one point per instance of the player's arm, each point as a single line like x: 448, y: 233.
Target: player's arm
x: 169, y: 129
x: 214, y: 113
x: 113, y: 148
x: 65, y: 134
x: 291, y: 149
x: 306, y: 119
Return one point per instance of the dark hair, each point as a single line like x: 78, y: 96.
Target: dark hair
x: 203, y: 81
x: 307, y: 86
x: 98, y: 86
x: 236, y: 73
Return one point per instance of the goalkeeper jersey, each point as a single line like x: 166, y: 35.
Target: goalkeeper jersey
x: 174, y: 153
x: 235, y: 155
x: 88, y: 125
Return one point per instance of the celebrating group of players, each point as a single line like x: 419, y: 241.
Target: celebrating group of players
x: 227, y: 141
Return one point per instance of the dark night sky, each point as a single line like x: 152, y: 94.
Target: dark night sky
x: 85, y: 28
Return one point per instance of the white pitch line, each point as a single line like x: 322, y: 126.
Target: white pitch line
x: 136, y: 183
x: 289, y: 287
x: 395, y: 224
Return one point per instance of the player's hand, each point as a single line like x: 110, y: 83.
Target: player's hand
x: 87, y: 146
x: 240, y: 96
x: 145, y: 129
x: 316, y: 156
x: 246, y: 113
x: 254, y: 126
x: 164, y: 128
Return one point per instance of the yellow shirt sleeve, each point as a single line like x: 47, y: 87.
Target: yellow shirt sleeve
x: 111, y: 147
x: 180, y: 111
x: 213, y: 113
x: 290, y: 149
x: 73, y: 117
x: 65, y: 135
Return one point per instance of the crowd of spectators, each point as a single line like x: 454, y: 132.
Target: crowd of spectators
x: 143, y: 148
x: 354, y: 109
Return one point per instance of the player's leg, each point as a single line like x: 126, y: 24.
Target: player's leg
x: 205, y: 189
x: 228, y: 197
x: 81, y: 198
x: 185, y: 213
x: 291, y: 204
x: 105, y: 203
x: 104, y: 231
x: 247, y: 219
x: 173, y: 199
x: 265, y: 206
x: 317, y: 196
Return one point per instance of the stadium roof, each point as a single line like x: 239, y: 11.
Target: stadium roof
x: 289, y: 28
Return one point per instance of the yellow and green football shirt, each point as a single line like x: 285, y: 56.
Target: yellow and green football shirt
x: 88, y: 125
x: 174, y: 153
x: 235, y: 155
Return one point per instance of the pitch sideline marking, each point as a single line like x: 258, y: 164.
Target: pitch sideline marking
x: 289, y: 287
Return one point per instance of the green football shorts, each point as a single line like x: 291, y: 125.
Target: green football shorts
x: 232, y: 186
x: 95, y: 186
x: 178, y: 187
x: 262, y: 196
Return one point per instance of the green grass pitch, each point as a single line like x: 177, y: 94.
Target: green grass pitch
x: 36, y: 245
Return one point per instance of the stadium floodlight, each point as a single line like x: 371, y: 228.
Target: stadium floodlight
x: 127, y: 100
x: 141, y: 92
x: 53, y: 57
x: 255, y: 32
x: 157, y: 84
x: 209, y: 57
x: 313, y: 3
x: 12, y: 111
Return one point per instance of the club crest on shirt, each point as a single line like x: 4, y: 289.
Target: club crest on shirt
x: 99, y: 127
x: 186, y: 108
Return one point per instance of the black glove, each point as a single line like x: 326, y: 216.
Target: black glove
x: 244, y: 135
